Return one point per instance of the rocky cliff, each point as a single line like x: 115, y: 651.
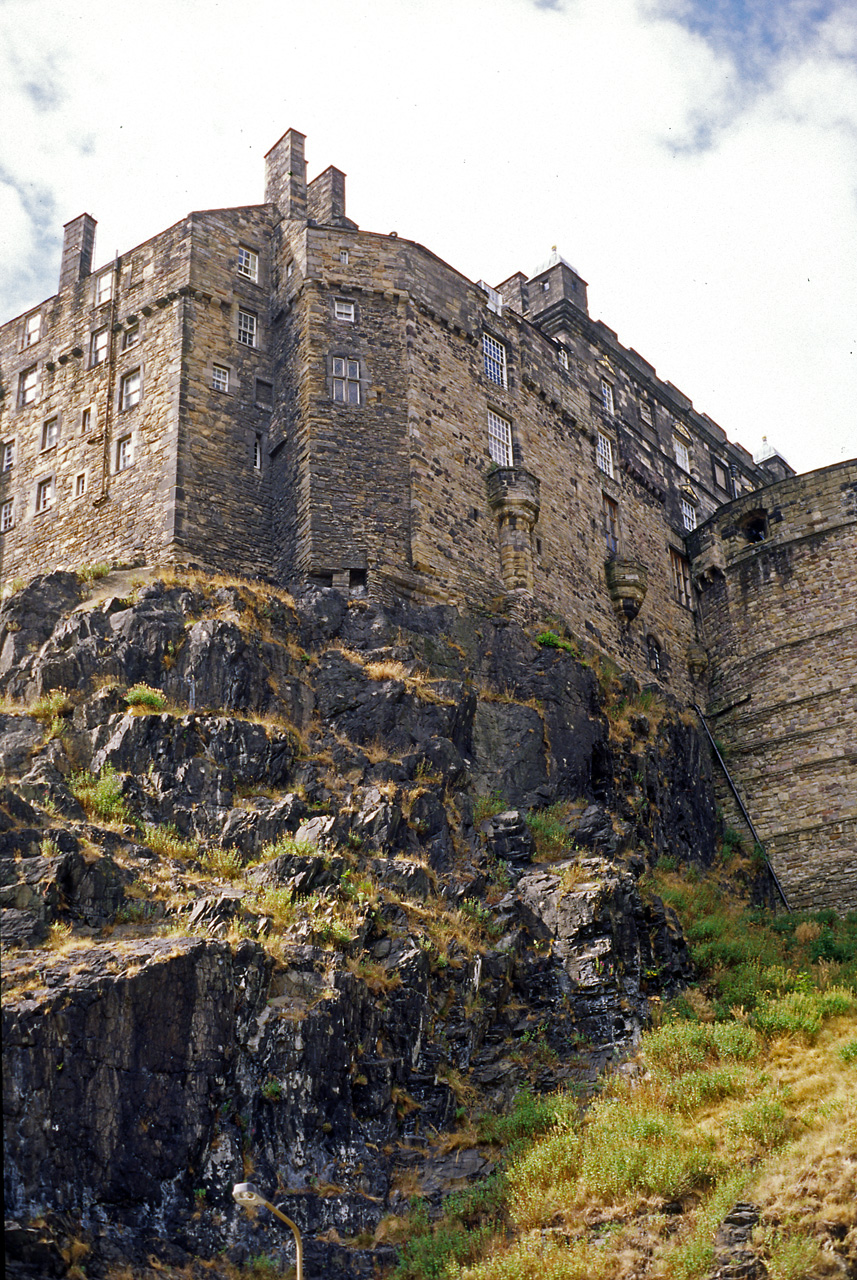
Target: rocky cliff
x: 299, y: 890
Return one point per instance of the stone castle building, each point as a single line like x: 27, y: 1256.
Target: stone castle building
x: 268, y: 390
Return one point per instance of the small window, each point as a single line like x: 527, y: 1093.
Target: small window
x: 131, y: 389
x: 45, y: 494
x: 343, y: 310
x: 499, y: 439
x: 220, y: 378
x: 50, y: 433
x: 28, y: 383
x: 604, y: 454
x: 610, y: 517
x: 264, y: 394
x: 86, y: 422
x: 646, y: 413
x: 124, y: 456
x: 8, y: 455
x: 248, y: 263
x: 682, y: 454
x: 131, y: 337
x: 104, y: 288
x: 563, y: 358
x: 32, y: 329
x: 653, y: 652
x: 607, y: 397
x: 7, y: 516
x: 346, y: 380
x: 754, y: 527
x: 688, y: 514
x: 98, y: 347
x: 247, y: 328
x: 494, y: 358
x: 80, y: 485
x: 343, y: 257
x: 546, y: 286
x: 257, y: 452
x: 681, y: 578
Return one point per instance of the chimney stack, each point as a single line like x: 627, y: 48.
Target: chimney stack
x: 77, y: 246
x: 285, y: 176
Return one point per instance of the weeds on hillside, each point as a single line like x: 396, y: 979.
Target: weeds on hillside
x: 144, y: 696
x: 101, y: 797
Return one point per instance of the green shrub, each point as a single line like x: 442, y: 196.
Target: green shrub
x: 51, y: 706
x: 143, y: 695
x: 166, y: 840
x: 763, y: 1121
x: 226, y: 864
x: 550, y: 830
x: 630, y: 1146
x: 848, y: 1052
x: 486, y: 806
x: 531, y: 1114
x: 801, y: 1013
x: 101, y: 797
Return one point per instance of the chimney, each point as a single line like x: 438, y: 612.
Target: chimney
x: 78, y: 243
x: 285, y: 175
x: 326, y: 199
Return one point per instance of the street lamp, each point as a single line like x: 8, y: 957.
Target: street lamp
x: 249, y: 1196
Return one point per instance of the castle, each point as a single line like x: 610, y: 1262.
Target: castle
x: 270, y: 391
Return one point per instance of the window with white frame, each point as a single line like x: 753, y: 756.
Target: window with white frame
x: 494, y: 359
x: 7, y: 516
x: 131, y: 389
x: 80, y: 484
x: 86, y: 421
x: 104, y: 288
x: 8, y: 455
x: 604, y: 454
x: 220, y: 377
x: 45, y: 494
x: 688, y: 514
x: 124, y: 455
x: 682, y: 454
x: 343, y: 310
x: 346, y: 380
x: 681, y: 578
x: 50, y: 433
x: 563, y: 358
x: 131, y: 337
x: 248, y: 263
x: 98, y: 345
x: 247, y: 328
x: 257, y: 452
x: 607, y: 396
x: 343, y: 257
x: 32, y: 329
x: 28, y: 383
x: 499, y: 439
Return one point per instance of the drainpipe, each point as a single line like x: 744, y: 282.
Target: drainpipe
x: 745, y: 814
x: 111, y: 386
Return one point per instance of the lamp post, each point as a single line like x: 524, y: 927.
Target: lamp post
x: 244, y: 1193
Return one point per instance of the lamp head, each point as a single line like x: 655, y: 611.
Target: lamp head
x: 247, y: 1195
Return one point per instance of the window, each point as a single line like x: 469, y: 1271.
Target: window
x: 607, y: 398
x: 604, y: 454
x: 546, y: 286
x: 32, y: 329
x: 247, y: 328
x: 343, y: 310
x: 104, y: 288
x: 653, y: 652
x: 499, y: 439
x: 86, y: 422
x: 264, y: 394
x: 563, y: 358
x: 124, y: 456
x: 681, y: 578
x: 257, y: 452
x: 220, y: 378
x: 343, y: 257
x: 98, y: 347
x: 494, y: 357
x: 721, y: 478
x: 8, y: 455
x: 646, y: 413
x: 248, y: 263
x: 688, y: 514
x: 682, y: 454
x: 7, y: 516
x: 45, y: 494
x: 610, y: 517
x: 80, y: 485
x: 131, y: 337
x: 130, y: 390
x: 346, y: 380
x: 27, y: 385
x: 50, y: 433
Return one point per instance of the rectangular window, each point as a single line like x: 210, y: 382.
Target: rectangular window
x: 104, y: 288
x: 45, y: 494
x: 343, y: 310
x: 604, y: 454
x: 563, y: 358
x: 80, y: 485
x: 646, y: 413
x: 248, y: 263
x: 98, y: 347
x: 494, y: 358
x: 28, y: 383
x: 499, y: 439
x: 257, y: 452
x: 131, y: 337
x: 346, y: 380
x: 8, y: 455
x: 343, y: 257
x: 220, y: 378
x: 247, y: 328
x: 50, y: 433
x: 86, y: 422
x: 131, y: 389
x: 682, y: 456
x: 681, y: 578
x: 264, y: 394
x: 688, y: 514
x: 7, y: 516
x: 607, y: 397
x: 610, y: 516
x: 32, y: 329
x: 124, y: 456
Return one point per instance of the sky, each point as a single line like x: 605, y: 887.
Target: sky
x: 695, y: 160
